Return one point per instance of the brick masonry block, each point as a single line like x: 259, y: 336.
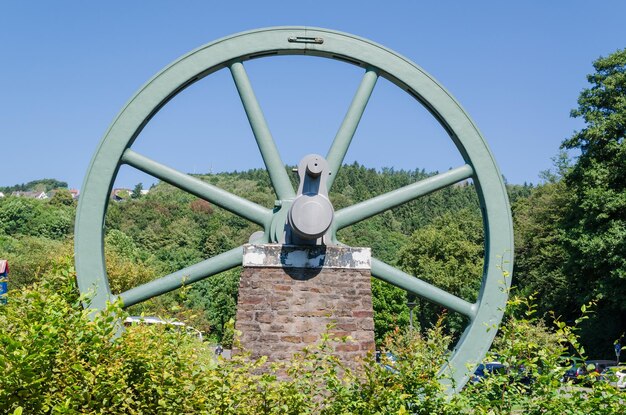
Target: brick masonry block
x: 282, y: 309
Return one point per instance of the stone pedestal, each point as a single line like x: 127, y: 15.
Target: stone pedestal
x: 289, y: 295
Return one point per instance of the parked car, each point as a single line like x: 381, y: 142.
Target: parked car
x: 600, y: 365
x: 486, y: 369
x: 179, y: 325
x: 524, y: 376
x: 615, y: 375
x: 585, y: 370
x: 387, y: 360
x: 575, y: 373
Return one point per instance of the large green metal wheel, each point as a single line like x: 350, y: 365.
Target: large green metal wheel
x: 232, y: 52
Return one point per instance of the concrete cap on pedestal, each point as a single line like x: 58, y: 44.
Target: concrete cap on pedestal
x: 291, y: 256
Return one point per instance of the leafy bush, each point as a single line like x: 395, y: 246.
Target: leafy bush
x: 19, y: 215
x: 54, y: 358
x: 536, y: 358
x: 30, y: 257
x: 15, y: 213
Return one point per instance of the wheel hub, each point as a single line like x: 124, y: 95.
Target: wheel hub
x: 311, y: 212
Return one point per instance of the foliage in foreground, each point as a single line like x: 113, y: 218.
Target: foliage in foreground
x: 536, y: 358
x: 55, y: 359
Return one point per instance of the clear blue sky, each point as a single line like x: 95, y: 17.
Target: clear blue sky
x: 67, y: 68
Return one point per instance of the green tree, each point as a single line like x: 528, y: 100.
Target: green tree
x: 539, y: 242
x: 54, y: 223
x: 136, y: 194
x: 595, y: 225
x: 23, y: 216
x: 390, y: 309
x: 15, y: 214
x: 122, y: 244
x: 62, y: 197
x: 449, y: 254
x: 217, y: 295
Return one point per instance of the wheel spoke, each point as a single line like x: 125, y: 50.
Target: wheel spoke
x: 185, y: 276
x: 267, y: 147
x: 419, y: 287
x: 342, y: 140
x: 235, y: 204
x: 368, y: 208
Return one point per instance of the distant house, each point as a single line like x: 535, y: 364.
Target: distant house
x: 464, y: 183
x: 75, y: 193
x: 120, y: 195
x: 1, y: 194
x: 31, y: 195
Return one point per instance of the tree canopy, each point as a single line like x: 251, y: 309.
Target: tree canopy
x: 595, y: 223
x: 41, y: 185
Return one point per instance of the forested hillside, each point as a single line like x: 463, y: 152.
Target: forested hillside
x: 438, y: 237
x: 570, y: 232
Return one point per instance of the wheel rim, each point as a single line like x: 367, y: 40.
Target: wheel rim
x: 377, y: 61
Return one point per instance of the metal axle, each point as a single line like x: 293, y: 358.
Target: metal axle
x: 311, y: 212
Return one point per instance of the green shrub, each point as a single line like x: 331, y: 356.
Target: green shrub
x: 54, y: 358
x: 536, y: 358
x: 34, y: 217
x: 31, y: 257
